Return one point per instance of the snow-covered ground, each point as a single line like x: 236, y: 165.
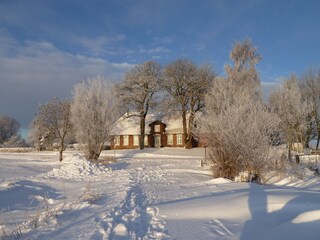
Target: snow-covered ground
x: 154, y: 194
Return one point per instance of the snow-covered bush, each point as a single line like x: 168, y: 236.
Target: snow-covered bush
x: 15, y: 141
x: 239, y: 125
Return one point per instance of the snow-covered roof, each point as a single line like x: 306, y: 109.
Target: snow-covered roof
x: 131, y: 125
x: 174, y: 124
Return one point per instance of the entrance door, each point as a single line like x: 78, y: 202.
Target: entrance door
x: 157, y: 141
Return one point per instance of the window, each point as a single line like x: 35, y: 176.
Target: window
x: 157, y: 128
x: 179, y: 139
x: 125, y: 140
x: 136, y: 140
x: 170, y: 139
x: 117, y: 140
x: 146, y: 142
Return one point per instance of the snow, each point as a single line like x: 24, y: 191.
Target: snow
x: 153, y: 194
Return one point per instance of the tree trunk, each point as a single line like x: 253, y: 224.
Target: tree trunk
x: 61, y: 148
x: 184, y: 124
x: 318, y: 130
x: 142, y: 132
x: 289, y: 145
x: 308, y: 133
x: 60, y: 154
x: 289, y: 152
x: 190, y: 131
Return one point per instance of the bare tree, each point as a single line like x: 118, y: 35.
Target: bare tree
x: 93, y: 113
x: 187, y: 84
x: 239, y: 125
x: 292, y: 109
x: 310, y: 87
x: 137, y: 92
x: 175, y: 83
x: 53, y: 119
x: 198, y: 88
x: 9, y: 127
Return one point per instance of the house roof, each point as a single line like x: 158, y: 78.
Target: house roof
x: 131, y: 125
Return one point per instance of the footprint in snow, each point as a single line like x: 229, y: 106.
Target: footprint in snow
x: 218, y: 229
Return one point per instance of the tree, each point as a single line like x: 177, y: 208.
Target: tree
x: 53, y: 120
x: 198, y: 89
x: 293, y: 111
x: 136, y: 93
x: 239, y: 125
x: 310, y: 87
x: 9, y: 127
x: 39, y: 137
x: 239, y: 129
x: 93, y: 112
x: 245, y: 57
x: 187, y: 85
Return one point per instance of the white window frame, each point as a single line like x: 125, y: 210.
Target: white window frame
x: 170, y: 139
x: 125, y: 140
x: 179, y: 139
x: 136, y: 140
x: 117, y: 140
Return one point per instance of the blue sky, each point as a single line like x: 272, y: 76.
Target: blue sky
x: 48, y: 46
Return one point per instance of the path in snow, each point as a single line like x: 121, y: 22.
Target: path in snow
x: 132, y: 219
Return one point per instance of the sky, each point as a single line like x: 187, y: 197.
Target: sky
x: 46, y: 47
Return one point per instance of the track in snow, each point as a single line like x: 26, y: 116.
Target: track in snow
x: 133, y: 219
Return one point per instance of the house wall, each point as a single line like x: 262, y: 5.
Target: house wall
x: 174, y: 140
x: 131, y: 143
x: 121, y: 146
x: 164, y: 141
x: 203, y: 140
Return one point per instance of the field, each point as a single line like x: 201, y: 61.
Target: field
x: 153, y: 194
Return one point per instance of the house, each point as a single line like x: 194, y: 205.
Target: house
x: 160, y: 131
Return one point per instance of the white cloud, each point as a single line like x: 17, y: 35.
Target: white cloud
x: 99, y: 45
x: 200, y: 46
x: 159, y: 50
x: 33, y: 72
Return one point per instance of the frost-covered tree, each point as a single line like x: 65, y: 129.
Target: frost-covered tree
x: 137, y: 92
x: 93, y: 112
x: 310, y: 87
x: 187, y: 85
x: 292, y: 109
x: 39, y: 137
x: 239, y: 125
x: 240, y: 130
x: 245, y: 57
x: 9, y: 127
x: 53, y: 121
